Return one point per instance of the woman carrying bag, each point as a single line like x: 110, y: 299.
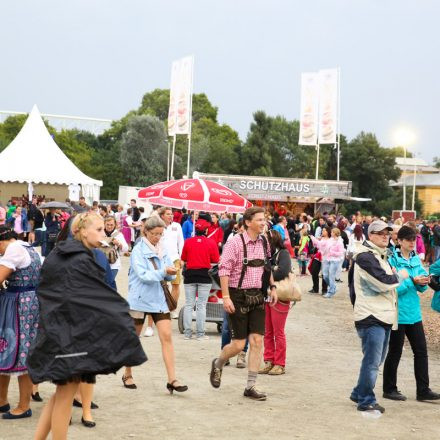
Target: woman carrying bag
x: 276, y: 316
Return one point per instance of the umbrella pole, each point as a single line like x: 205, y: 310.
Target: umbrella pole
x: 172, y: 158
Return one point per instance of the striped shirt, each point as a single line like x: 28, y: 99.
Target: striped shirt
x: 231, y: 262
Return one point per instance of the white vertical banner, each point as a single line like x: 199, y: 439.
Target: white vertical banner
x: 174, y: 90
x: 328, y: 106
x: 184, y: 97
x: 308, y: 126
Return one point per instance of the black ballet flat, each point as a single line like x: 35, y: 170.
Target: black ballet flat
x: 36, y: 397
x: 88, y: 423
x: 130, y: 387
x: 5, y: 408
x: 180, y: 389
x: 79, y: 404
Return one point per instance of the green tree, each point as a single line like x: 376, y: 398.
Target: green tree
x: 144, y: 151
x: 370, y: 167
x: 436, y: 161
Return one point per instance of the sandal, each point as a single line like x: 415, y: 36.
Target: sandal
x: 129, y: 386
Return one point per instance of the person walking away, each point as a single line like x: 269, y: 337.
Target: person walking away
x: 372, y: 285
x: 199, y: 253
x: 172, y: 242
x: 276, y: 316
x: 20, y: 267
x: 188, y: 226
x: 98, y: 333
x: 243, y: 298
x: 150, y: 268
x: 409, y: 320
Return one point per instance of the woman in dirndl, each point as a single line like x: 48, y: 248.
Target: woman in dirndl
x: 20, y: 268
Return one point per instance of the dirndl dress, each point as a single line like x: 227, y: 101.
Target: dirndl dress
x: 19, y: 314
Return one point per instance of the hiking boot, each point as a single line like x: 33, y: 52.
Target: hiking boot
x: 216, y: 375
x: 428, y: 395
x: 372, y: 407
x: 267, y: 367
x: 254, y: 394
x: 394, y: 395
x: 241, y: 360
x: 277, y: 370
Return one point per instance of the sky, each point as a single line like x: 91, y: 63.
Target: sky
x: 97, y: 58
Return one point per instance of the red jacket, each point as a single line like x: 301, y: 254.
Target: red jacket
x: 215, y: 233
x: 199, y: 252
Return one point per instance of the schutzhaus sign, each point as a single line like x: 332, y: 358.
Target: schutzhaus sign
x: 266, y: 188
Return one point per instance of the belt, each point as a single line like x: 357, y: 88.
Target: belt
x: 19, y: 289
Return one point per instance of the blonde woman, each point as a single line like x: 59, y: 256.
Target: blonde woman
x: 84, y: 329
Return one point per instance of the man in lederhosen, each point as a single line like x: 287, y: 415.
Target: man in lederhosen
x: 245, y: 276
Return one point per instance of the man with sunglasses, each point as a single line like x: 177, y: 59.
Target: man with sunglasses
x: 373, y: 284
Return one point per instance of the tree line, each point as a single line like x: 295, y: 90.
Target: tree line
x: 134, y: 151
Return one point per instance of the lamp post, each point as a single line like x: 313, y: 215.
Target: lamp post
x: 403, y: 138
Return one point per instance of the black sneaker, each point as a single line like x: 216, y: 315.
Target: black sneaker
x: 313, y: 291
x: 394, y: 395
x: 36, y: 397
x: 428, y: 395
x: 254, y: 394
x: 216, y: 375
x: 373, y: 407
x: 353, y: 399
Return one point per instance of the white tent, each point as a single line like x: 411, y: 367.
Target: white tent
x: 34, y: 157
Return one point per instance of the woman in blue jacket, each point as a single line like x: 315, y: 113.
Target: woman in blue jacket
x: 410, y: 320
x: 149, y: 267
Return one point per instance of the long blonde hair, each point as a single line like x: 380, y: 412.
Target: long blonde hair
x: 81, y: 222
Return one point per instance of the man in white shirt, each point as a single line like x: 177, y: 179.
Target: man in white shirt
x: 172, y: 243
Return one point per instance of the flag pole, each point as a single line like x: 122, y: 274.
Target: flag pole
x: 190, y: 118
x: 339, y: 122
x: 168, y: 160
x: 172, y: 158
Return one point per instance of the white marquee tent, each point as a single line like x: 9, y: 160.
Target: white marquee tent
x: 33, y: 157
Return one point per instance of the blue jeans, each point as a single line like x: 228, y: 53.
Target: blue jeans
x: 329, y: 271
x: 375, y: 341
x: 114, y: 273
x: 226, y: 333
x: 202, y: 290
x: 436, y: 253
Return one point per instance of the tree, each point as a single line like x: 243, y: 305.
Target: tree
x: 436, y: 161
x: 144, y: 151
x: 370, y: 167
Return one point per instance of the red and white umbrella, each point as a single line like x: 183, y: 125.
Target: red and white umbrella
x: 196, y: 195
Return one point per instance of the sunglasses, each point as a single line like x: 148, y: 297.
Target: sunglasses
x: 382, y: 233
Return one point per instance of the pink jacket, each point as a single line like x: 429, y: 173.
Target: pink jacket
x: 331, y: 249
x: 420, y: 246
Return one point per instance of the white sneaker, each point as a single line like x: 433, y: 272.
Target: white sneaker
x: 187, y: 338
x: 149, y: 332
x: 174, y: 315
x: 202, y: 338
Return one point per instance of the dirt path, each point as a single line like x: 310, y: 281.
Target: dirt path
x: 309, y: 402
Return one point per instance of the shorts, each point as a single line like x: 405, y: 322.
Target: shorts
x: 249, y: 315
x: 178, y: 278
x: 139, y: 317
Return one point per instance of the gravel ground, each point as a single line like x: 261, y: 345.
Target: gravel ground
x: 309, y: 402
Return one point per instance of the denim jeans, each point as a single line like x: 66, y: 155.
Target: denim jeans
x: 202, y: 291
x: 329, y: 270
x: 436, y: 253
x: 375, y: 341
x: 114, y: 273
x: 226, y: 333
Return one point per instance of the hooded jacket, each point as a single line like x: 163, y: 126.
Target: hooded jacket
x: 373, y: 284
x: 145, y: 293
x: 408, y: 292
x: 85, y: 326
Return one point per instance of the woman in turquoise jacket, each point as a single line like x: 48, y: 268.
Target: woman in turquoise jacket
x: 410, y: 320
x: 149, y: 267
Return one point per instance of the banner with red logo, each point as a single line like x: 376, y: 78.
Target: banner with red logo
x: 179, y: 114
x: 308, y: 125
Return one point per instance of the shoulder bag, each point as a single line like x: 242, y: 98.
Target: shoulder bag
x: 171, y: 301
x: 288, y: 289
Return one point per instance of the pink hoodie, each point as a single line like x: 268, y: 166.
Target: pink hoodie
x: 331, y: 249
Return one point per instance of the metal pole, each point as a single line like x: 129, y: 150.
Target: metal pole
x: 189, y: 154
x: 414, y: 188
x: 172, y: 158
x: 404, y: 182
x: 339, y: 122
x: 317, y: 161
x: 168, y: 161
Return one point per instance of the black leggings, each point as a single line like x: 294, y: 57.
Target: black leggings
x: 416, y: 338
x: 315, y: 269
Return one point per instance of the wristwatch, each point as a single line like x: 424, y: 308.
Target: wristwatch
x: 273, y: 286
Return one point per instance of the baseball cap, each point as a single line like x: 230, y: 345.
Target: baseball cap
x: 377, y: 226
x: 202, y: 225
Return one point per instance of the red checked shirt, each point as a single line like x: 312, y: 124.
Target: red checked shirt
x: 231, y: 261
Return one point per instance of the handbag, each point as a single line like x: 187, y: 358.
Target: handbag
x: 109, y: 250
x: 171, y: 301
x: 288, y: 289
x: 213, y: 274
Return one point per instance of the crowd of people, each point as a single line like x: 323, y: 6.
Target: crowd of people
x: 59, y: 318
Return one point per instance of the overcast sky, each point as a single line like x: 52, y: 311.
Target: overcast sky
x: 98, y: 57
